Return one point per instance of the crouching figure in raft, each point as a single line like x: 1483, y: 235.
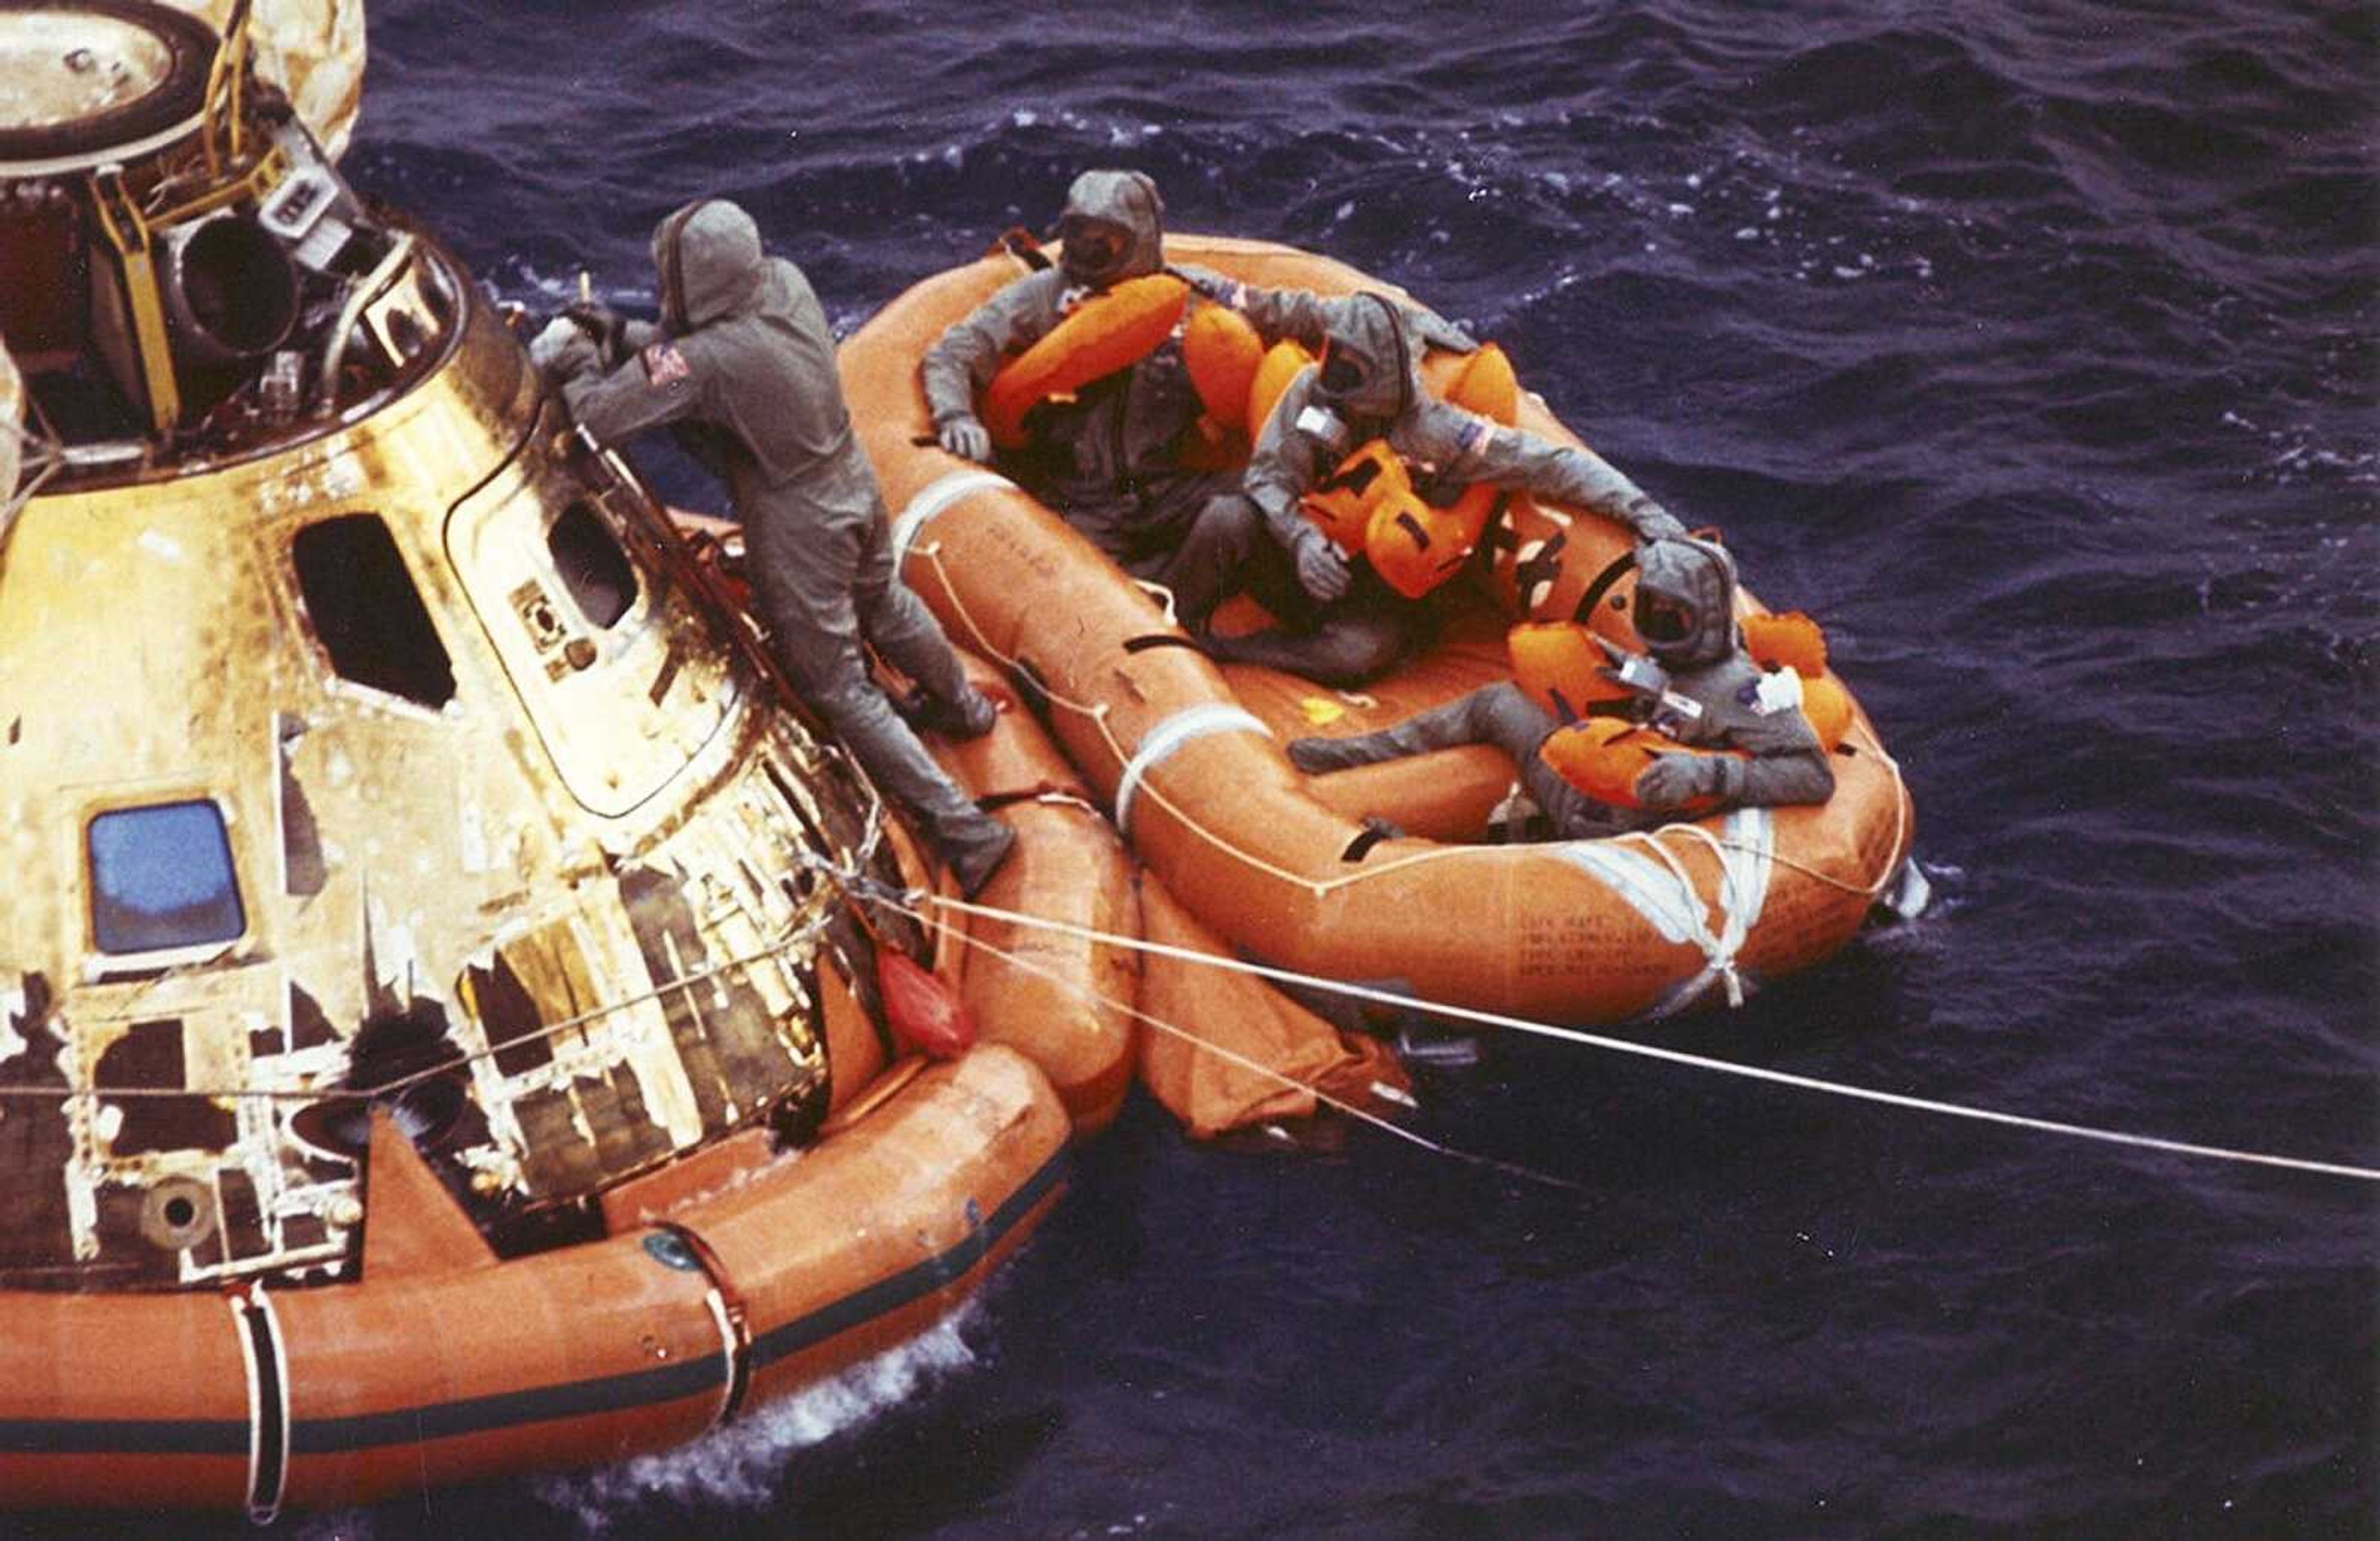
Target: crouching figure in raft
x: 1359, y: 584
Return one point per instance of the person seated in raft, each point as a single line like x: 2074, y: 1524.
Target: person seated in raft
x: 1716, y: 698
x: 1340, y: 624
x: 744, y: 363
x: 1106, y: 461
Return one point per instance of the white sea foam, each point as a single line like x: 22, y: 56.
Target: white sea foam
x: 741, y: 1465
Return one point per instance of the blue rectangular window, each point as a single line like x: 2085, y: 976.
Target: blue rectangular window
x: 162, y: 877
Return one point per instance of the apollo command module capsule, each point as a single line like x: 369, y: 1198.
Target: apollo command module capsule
x: 437, y: 1033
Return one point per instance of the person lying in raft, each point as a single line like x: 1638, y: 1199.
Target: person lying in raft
x: 1106, y: 461
x: 744, y: 361
x: 1340, y: 624
x: 1715, y: 698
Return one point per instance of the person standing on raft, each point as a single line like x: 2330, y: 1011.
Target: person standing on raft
x: 1340, y: 623
x: 1106, y: 461
x: 1715, y: 697
x: 743, y: 362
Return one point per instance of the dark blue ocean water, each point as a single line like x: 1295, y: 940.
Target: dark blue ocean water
x: 2032, y: 346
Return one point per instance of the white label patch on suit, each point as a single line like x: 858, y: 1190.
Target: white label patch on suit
x: 1778, y: 691
x: 664, y: 365
x: 1323, y: 427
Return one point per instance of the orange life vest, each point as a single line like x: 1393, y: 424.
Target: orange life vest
x: 1603, y: 756
x: 1108, y: 332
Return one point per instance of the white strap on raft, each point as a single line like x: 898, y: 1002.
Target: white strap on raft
x: 1663, y: 892
x: 932, y: 499
x: 1191, y: 722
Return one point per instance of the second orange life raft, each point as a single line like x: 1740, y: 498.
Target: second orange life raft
x: 1186, y: 757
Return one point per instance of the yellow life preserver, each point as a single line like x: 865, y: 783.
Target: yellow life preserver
x: 1281, y: 363
x: 1108, y: 332
x: 1222, y: 352
x: 1415, y: 546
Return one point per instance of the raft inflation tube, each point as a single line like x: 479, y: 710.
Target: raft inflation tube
x: 1187, y: 756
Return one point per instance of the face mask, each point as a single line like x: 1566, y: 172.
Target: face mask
x: 1661, y: 620
x: 1094, y: 248
x: 1342, y: 373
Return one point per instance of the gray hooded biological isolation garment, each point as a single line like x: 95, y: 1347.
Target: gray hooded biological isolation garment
x: 744, y: 361
x: 1708, y: 667
x: 1106, y: 460
x: 1377, y: 343
x: 1368, y: 386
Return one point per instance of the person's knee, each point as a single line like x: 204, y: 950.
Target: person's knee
x: 1362, y: 651
x: 1503, y: 714
x: 830, y: 672
x: 1501, y: 699
x: 1229, y: 516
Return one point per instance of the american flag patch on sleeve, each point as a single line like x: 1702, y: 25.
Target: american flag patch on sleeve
x: 664, y: 365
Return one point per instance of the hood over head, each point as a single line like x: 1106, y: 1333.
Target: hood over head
x: 1127, y: 202
x: 1369, y: 358
x: 1685, y: 601
x: 710, y: 264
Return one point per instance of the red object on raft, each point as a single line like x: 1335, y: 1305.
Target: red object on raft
x: 926, y: 1015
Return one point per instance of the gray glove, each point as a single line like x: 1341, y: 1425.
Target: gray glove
x: 563, y: 351
x: 1653, y: 523
x: 604, y: 324
x: 1673, y: 781
x: 967, y: 438
x: 1321, y: 571
x: 1438, y: 332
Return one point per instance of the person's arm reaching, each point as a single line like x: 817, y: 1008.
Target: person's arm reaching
x: 965, y: 357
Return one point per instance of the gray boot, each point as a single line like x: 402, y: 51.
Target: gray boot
x: 975, y: 854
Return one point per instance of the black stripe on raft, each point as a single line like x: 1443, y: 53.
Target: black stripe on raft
x: 510, y: 1409
x: 913, y: 1282
x: 124, y: 1436
x: 445, y: 1420
x: 1613, y: 572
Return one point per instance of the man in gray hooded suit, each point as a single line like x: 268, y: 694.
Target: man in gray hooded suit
x: 1106, y: 460
x: 1341, y: 624
x: 743, y: 362
x: 1715, y: 696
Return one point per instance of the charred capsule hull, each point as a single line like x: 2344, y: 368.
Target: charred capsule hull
x: 435, y: 1038
x: 387, y: 758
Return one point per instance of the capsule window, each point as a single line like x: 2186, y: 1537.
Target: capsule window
x: 160, y: 877
x: 367, y: 612
x: 593, y: 567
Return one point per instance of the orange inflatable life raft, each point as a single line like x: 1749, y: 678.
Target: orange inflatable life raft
x: 1187, y: 755
x: 1108, y: 332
